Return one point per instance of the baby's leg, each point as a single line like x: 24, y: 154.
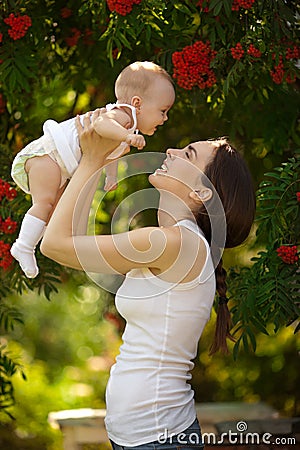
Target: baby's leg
x: 111, y: 171
x: 44, y: 178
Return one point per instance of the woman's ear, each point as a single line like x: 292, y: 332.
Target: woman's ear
x: 136, y: 101
x: 201, y: 195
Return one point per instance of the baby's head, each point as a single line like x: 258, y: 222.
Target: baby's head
x: 149, y: 88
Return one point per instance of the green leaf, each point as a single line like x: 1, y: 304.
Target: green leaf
x: 245, y: 342
x: 259, y: 325
x: 236, y: 349
x: 217, y: 9
x: 226, y: 86
x: 227, y: 6
x: 251, y: 338
x: 221, y: 32
x: 214, y: 3
x: 183, y: 8
x: 123, y: 40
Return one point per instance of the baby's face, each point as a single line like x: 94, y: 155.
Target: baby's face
x: 154, y: 107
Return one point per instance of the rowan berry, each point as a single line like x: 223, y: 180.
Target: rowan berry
x: 8, y: 226
x: 253, y: 51
x: 6, y: 190
x: 246, y: 4
x: 5, y: 257
x: 298, y: 196
x: 203, y: 8
x: 88, y: 37
x: 290, y: 78
x: 192, y: 66
x: 122, y: 7
x: 66, y: 12
x: 18, y: 25
x: 278, y: 73
x: 2, y: 104
x: 237, y: 51
x: 288, y: 254
x: 293, y: 52
x: 71, y: 41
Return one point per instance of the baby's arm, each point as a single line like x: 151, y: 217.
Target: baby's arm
x: 114, y: 125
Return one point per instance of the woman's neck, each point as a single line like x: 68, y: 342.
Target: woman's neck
x: 172, y: 210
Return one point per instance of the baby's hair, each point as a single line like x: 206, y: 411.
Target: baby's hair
x: 137, y: 79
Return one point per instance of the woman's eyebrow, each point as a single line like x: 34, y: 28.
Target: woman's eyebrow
x: 190, y: 147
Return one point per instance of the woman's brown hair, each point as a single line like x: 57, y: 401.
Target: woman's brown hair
x: 231, y: 178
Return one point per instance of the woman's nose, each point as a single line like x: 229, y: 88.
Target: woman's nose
x: 173, y: 152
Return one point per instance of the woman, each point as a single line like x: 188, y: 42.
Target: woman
x: 170, y: 282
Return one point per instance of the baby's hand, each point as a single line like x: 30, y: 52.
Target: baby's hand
x: 136, y: 140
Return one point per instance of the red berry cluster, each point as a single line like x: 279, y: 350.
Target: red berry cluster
x: 253, y: 51
x: 290, y: 78
x: 192, y: 66
x: 7, y: 191
x: 8, y: 226
x: 237, y: 4
x: 88, y: 37
x: 293, y: 52
x: 71, y: 41
x: 200, y: 4
x: 2, y: 104
x: 122, y: 7
x: 5, y: 257
x: 298, y: 196
x: 278, y: 73
x: 237, y: 51
x: 65, y: 12
x: 18, y: 25
x: 288, y: 254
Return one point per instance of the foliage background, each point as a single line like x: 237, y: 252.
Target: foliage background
x: 236, y: 74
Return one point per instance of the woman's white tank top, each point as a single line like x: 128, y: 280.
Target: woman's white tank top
x: 148, y: 394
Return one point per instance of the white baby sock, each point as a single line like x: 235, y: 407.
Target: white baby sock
x: 23, y: 250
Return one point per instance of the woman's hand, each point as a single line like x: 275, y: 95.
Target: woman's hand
x: 91, y: 144
x: 94, y: 146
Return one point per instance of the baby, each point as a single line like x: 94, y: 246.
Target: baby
x: 144, y: 93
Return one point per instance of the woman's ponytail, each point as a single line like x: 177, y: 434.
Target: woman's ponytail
x: 223, y: 323
x: 229, y: 174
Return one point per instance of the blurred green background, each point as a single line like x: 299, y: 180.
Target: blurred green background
x: 65, y: 346
x: 69, y: 344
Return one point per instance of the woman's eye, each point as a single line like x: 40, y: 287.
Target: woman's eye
x: 187, y: 155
